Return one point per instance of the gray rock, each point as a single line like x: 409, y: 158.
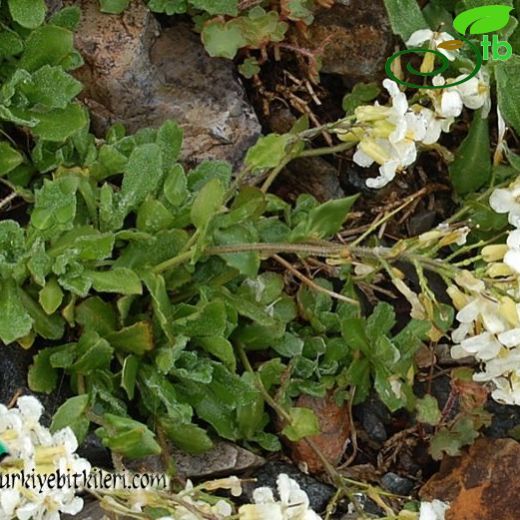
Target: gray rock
x: 135, y: 75
x: 397, y: 484
x: 373, y: 416
x: 224, y: 458
x: 309, y: 175
x: 355, y: 37
x: 319, y: 493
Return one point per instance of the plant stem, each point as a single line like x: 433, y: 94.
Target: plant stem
x: 327, y: 150
x: 312, y: 284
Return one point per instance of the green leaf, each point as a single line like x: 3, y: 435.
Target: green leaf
x: 52, y: 87
x: 72, y: 414
x: 221, y: 348
x: 508, y: 90
x: 247, y: 263
x: 176, y: 186
x: 97, y: 315
x: 207, y: 203
x: 58, y: 124
x: 113, y: 6
x: 168, y: 7
x: 324, y: 221
x: 143, y: 173
x: 10, y: 44
x: 428, y: 410
x: 169, y: 140
x: 289, y: 346
x: 129, y: 375
x: 471, y: 168
x: 43, y: 377
x: 9, y: 158
x: 28, y: 13
x: 49, y: 327
x: 51, y: 296
x: 127, y: 437
x: 261, y: 27
x: 268, y: 152
x: 222, y: 39
x: 361, y: 94
x: 93, y: 352
x: 405, y: 17
x: 389, y: 389
x: 249, y: 67
x: 187, y: 437
x: 481, y: 20
x: 229, y: 7
x: 15, y: 322
x: 55, y: 204
x: 208, y: 170
x: 381, y: 321
x: 118, y: 280
x: 136, y: 339
x: 300, y: 10
x: 68, y: 17
x: 304, y: 423
x: 47, y: 45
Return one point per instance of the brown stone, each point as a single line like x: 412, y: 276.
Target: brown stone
x: 332, y: 441
x: 482, y: 484
x: 135, y: 75
x: 356, y: 39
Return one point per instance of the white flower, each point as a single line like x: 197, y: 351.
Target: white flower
x: 34, y: 448
x: 447, y: 105
x: 293, y: 503
x: 512, y: 257
x: 507, y: 200
x: 391, y: 136
x: 476, y: 92
x: 435, y: 510
x: 507, y: 389
x: 434, y: 38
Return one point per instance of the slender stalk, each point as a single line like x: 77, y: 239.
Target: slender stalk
x: 312, y: 284
x: 327, y: 150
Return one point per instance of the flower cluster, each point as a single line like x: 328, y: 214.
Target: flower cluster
x: 489, y: 329
x: 293, y: 503
x: 32, y: 447
x: 390, y: 135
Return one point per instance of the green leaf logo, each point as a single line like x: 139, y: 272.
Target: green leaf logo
x: 3, y: 451
x: 480, y: 20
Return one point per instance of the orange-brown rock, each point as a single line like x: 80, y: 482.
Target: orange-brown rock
x: 335, y: 430
x: 482, y: 484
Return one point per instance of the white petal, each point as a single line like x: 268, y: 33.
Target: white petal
x: 451, y: 104
x: 483, y: 347
x: 513, y: 240
x: 263, y: 495
x: 512, y: 259
x: 418, y: 37
x: 30, y: 407
x: 502, y: 200
x: 362, y: 159
x: 510, y: 338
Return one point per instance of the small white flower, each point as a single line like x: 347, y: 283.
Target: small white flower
x: 434, y: 38
x: 507, y: 200
x: 476, y: 92
x: 293, y: 504
x: 512, y: 257
x: 435, y: 510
